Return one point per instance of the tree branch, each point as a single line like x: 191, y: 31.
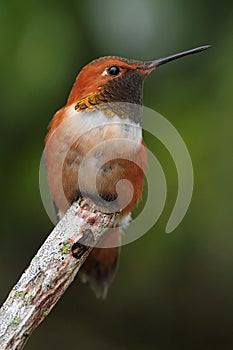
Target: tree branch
x: 50, y: 272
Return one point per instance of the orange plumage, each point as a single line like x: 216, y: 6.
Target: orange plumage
x: 98, y: 133
x: 68, y: 142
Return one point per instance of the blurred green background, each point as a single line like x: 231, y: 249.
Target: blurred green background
x: 172, y: 291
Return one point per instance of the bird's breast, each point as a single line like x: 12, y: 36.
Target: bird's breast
x: 90, y: 152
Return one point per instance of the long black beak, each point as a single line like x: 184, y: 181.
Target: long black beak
x: 154, y: 64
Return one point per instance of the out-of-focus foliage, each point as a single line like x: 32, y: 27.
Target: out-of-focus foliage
x: 172, y: 291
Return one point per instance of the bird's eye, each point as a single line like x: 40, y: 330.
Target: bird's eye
x: 113, y: 71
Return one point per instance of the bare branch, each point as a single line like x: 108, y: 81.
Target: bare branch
x: 50, y: 273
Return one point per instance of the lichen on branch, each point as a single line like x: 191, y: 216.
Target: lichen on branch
x: 51, y: 272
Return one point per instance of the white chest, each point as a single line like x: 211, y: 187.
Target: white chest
x: 99, y: 123
x: 92, y: 128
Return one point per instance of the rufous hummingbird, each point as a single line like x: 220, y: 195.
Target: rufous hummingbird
x: 95, y: 115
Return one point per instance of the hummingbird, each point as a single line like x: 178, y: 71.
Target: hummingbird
x: 98, y: 128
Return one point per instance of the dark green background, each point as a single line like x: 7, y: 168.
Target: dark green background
x: 171, y: 291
